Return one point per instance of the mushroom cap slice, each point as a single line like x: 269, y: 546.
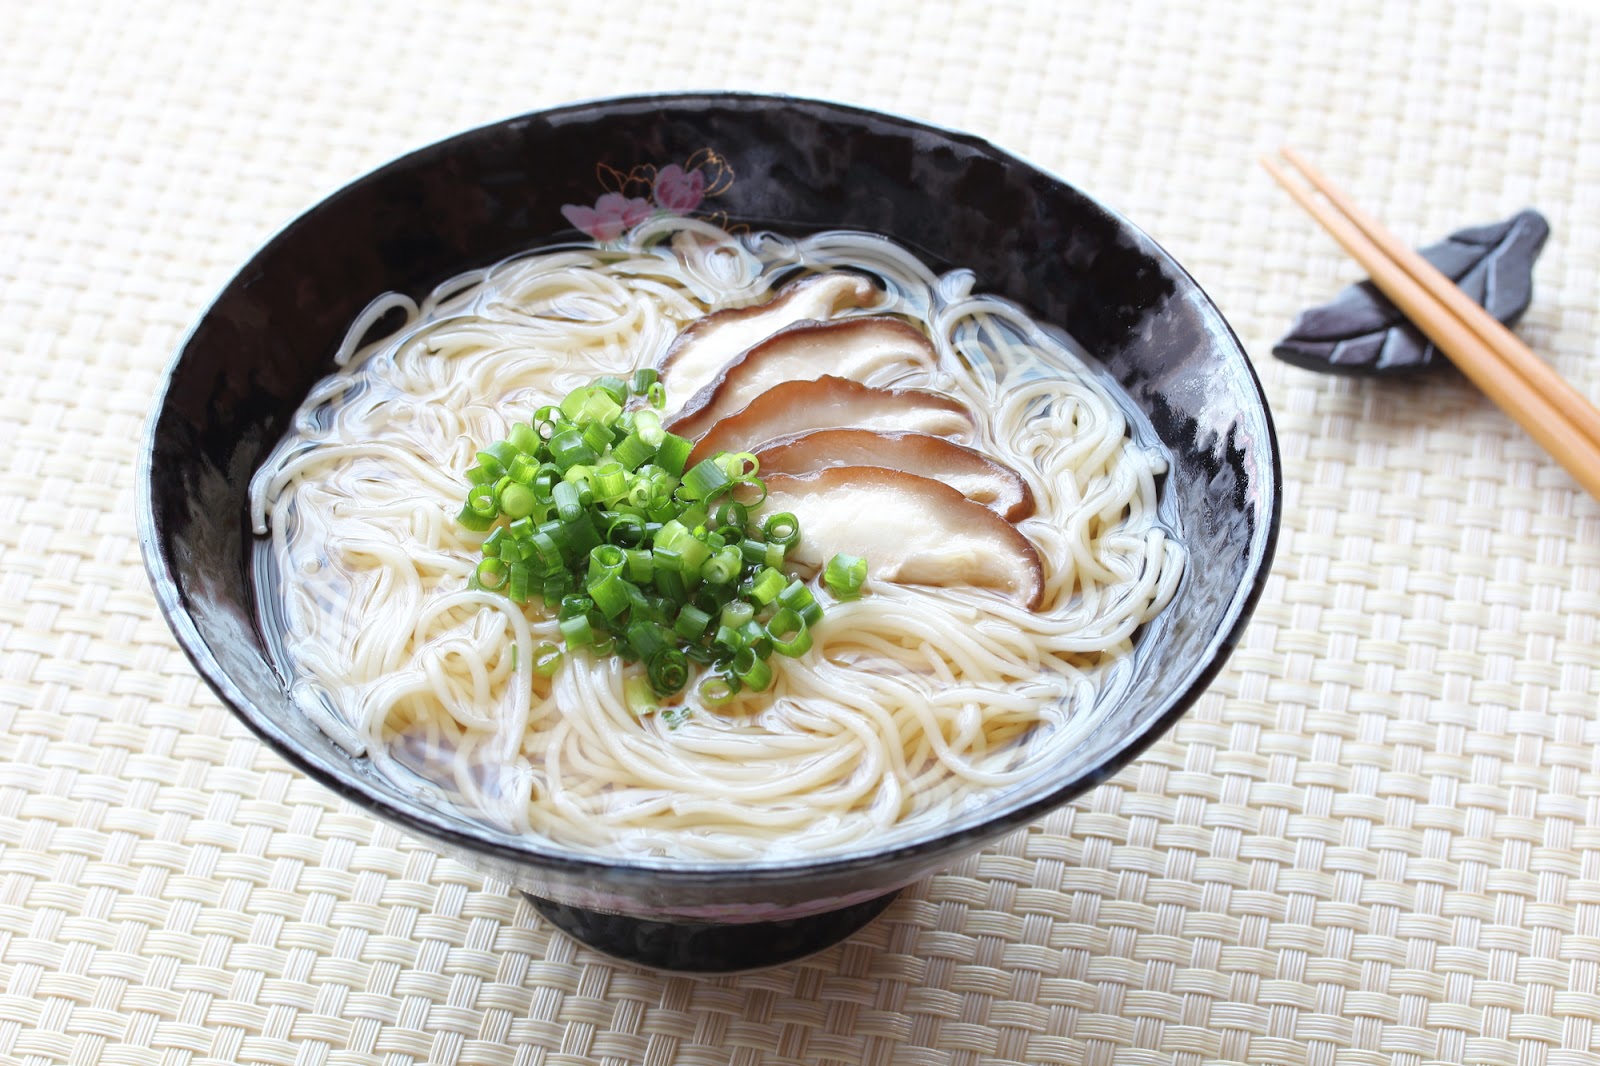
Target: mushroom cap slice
x: 911, y: 530
x: 796, y: 407
x: 712, y: 342
x: 871, y: 349
x: 969, y: 472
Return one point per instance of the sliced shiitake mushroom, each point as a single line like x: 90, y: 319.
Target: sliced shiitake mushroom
x: 796, y: 407
x: 870, y: 349
x: 711, y: 343
x: 969, y: 472
x: 911, y: 530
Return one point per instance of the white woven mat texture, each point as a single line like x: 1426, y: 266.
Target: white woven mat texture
x: 1377, y: 840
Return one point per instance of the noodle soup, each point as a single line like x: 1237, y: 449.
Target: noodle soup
x: 914, y: 702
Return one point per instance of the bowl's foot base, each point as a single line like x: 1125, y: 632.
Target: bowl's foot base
x: 708, y: 947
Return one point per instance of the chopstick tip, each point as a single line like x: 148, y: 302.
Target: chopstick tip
x: 1274, y: 167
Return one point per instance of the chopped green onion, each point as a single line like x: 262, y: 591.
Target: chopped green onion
x: 518, y: 588
x: 517, y: 501
x: 645, y: 638
x: 632, y: 451
x: 732, y: 513
x: 844, y: 576
x: 669, y: 582
x: 544, y: 482
x: 573, y: 402
x: 606, y: 559
x: 633, y: 553
x: 691, y: 623
x: 481, y: 500
x: 668, y: 670
x: 737, y: 613
x: 569, y: 501
x: 500, y: 486
x: 693, y: 517
x: 675, y: 539
x: 641, y: 564
x: 580, y: 477
x: 491, y: 574
x: 546, y: 552
x: 471, y: 519
x: 755, y: 637
x: 789, y: 633
x: 782, y: 528
x: 728, y: 637
x: 568, y: 449
x: 642, y: 490
x: 673, y: 453
x: 493, y: 542
x: 613, y: 387
x: 610, y: 482
x: 581, y: 535
x: 672, y: 535
x: 625, y: 529
x: 647, y: 424
x: 768, y: 583
x: 717, y: 690
x: 752, y: 493
x: 597, y: 437
x: 491, y: 467
x: 523, y: 469
x: 705, y: 480
x: 574, y: 605
x: 723, y: 566
x: 610, y: 594
x: 556, y: 586
x: 753, y: 551
x: 739, y: 466
x: 576, y: 631
x: 523, y: 438
x: 546, y: 660
x: 795, y: 596
x: 640, y: 696
x: 753, y: 673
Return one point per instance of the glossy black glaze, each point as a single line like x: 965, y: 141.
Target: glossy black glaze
x: 709, y: 947
x: 800, y: 166
x: 1359, y: 332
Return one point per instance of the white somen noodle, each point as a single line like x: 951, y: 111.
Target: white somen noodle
x: 914, y: 703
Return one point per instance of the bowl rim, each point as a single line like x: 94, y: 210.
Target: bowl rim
x: 986, y: 822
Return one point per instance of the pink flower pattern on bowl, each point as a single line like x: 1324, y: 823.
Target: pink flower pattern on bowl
x: 611, y: 216
x: 678, y: 190
x: 647, y: 192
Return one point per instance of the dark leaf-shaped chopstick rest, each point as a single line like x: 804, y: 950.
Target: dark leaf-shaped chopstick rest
x: 1360, y: 332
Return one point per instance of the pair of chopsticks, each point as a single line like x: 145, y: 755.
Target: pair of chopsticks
x: 1525, y: 387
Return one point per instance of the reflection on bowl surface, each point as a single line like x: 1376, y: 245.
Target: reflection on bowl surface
x: 802, y: 167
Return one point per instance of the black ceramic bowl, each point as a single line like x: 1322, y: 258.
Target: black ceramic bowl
x: 796, y: 166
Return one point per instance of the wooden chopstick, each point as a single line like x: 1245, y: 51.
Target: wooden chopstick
x: 1554, y: 415
x: 1506, y: 345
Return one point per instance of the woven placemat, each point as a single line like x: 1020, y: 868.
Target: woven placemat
x: 1377, y: 840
